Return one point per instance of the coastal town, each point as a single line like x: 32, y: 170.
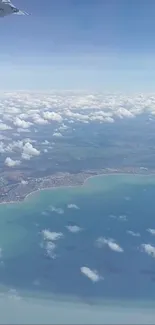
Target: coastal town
x: 19, y: 187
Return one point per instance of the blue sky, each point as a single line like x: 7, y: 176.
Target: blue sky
x: 79, y: 44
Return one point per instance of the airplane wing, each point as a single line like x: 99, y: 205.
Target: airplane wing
x: 20, y: 12
x: 7, y: 8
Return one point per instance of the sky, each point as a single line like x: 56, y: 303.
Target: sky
x: 94, y: 45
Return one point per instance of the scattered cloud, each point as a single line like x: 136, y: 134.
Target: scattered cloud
x: 123, y: 218
x: 23, y: 113
x: 57, y: 210
x: 91, y: 274
x: 132, y: 233
x: 148, y: 249
x: 112, y: 216
x: 119, y: 218
x: 74, y: 229
x: 48, y: 235
x: 101, y: 242
x: 12, y: 163
x: 49, y: 239
x: 72, y: 206
x: 151, y: 231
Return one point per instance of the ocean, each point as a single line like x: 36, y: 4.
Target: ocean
x: 91, y: 246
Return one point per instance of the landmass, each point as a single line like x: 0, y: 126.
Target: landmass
x: 15, y: 186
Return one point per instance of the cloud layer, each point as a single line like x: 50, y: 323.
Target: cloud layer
x: 27, y: 113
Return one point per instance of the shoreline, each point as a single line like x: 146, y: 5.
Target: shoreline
x: 74, y: 186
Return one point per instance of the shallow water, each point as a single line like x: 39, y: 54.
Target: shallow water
x: 106, y: 206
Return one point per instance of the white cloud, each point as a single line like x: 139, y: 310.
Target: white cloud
x: 25, y: 109
x: 49, y: 239
x: 21, y: 123
x: 52, y: 116
x: 37, y: 119
x: 151, y: 231
x: 74, y: 229
x: 57, y: 134
x: 11, y: 163
x: 84, y: 107
x: 132, y: 233
x: 148, y: 249
x: 91, y: 274
x: 52, y: 236
x: 101, y: 242
x: 72, y: 206
x: 4, y: 127
x: 50, y: 248
x: 29, y: 151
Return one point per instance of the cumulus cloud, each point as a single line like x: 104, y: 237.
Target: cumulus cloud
x: 74, y: 229
x: 21, y: 123
x: 91, y: 274
x: 37, y: 119
x: 101, y: 242
x: 4, y: 127
x: 42, y: 108
x: 132, y: 233
x: 12, y: 163
x: 52, y: 236
x: 29, y: 151
x: 72, y: 206
x: 151, y: 231
x: 52, y: 116
x: 148, y: 249
x: 57, y: 134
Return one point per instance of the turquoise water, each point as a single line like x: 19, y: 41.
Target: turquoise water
x: 97, y: 207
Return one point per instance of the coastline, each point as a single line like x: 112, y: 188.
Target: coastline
x: 80, y: 185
